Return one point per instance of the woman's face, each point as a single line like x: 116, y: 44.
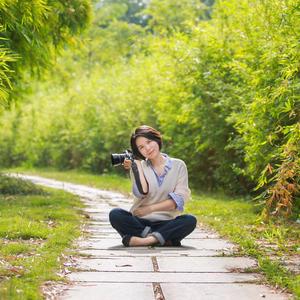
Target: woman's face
x: 148, y: 148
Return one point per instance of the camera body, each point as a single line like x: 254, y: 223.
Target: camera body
x: 118, y: 158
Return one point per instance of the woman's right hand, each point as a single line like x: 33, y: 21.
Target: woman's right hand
x: 127, y: 164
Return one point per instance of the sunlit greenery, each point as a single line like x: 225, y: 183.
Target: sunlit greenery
x: 31, y: 33
x: 220, y: 80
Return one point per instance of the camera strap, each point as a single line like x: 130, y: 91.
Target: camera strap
x: 136, y: 175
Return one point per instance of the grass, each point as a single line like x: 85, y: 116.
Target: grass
x: 102, y: 181
x: 17, y: 186
x: 35, y: 230
x: 270, y: 243
x: 236, y: 219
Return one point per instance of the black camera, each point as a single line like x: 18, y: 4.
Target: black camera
x: 117, y: 159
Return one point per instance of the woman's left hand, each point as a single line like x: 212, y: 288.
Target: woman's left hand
x: 142, y: 211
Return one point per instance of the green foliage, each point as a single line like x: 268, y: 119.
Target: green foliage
x: 221, y: 84
x: 17, y: 186
x: 172, y: 15
x: 130, y: 11
x: 6, y: 57
x: 33, y: 31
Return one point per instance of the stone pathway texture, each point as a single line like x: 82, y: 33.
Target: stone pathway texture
x: 203, y: 268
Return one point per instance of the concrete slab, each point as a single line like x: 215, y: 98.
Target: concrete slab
x: 110, y: 291
x: 104, y: 243
x: 101, y: 244
x: 97, y: 209
x: 99, y: 224
x: 99, y: 227
x: 204, y: 264
x: 142, y: 251
x: 125, y: 204
x: 96, y: 226
x: 103, y: 214
x: 215, y: 244
x: 191, y: 291
x: 101, y: 208
x: 94, y: 229
x: 103, y: 235
x: 99, y: 219
x: 116, y: 264
x: 207, y: 244
x: 91, y: 202
x: 163, y: 277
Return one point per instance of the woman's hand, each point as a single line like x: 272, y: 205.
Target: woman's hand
x: 142, y: 211
x: 127, y: 164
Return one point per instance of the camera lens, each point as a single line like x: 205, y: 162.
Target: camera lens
x: 117, y: 159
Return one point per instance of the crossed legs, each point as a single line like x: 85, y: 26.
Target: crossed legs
x: 137, y: 231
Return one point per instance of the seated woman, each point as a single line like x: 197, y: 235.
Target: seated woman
x: 160, y: 195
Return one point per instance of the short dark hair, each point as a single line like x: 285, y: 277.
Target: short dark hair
x: 148, y: 133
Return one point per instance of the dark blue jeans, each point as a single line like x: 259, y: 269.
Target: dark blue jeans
x: 169, y: 232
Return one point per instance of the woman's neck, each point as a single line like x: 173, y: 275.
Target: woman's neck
x: 158, y: 161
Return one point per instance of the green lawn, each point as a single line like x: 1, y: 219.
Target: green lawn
x: 35, y: 230
x: 271, y: 244
x: 236, y: 219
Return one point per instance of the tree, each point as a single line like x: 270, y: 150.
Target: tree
x: 167, y: 16
x: 132, y: 10
x: 32, y: 32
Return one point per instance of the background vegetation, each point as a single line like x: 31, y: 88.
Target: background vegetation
x: 220, y: 80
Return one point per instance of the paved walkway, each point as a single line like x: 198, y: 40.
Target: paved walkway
x: 204, y: 268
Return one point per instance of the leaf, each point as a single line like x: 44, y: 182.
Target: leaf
x: 123, y: 266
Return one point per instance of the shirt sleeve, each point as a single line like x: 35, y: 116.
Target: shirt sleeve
x: 178, y: 199
x: 182, y: 186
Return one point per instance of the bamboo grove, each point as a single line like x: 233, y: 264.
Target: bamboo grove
x: 220, y: 79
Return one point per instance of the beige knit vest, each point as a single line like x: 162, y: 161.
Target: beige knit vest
x: 176, y: 181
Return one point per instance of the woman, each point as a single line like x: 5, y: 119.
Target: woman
x: 160, y: 196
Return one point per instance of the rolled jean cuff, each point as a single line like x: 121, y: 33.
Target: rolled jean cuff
x: 159, y: 237
x: 146, y: 231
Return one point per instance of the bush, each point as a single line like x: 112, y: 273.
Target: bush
x: 17, y: 186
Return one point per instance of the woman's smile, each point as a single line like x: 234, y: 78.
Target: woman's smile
x: 150, y: 152
x: 147, y: 148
